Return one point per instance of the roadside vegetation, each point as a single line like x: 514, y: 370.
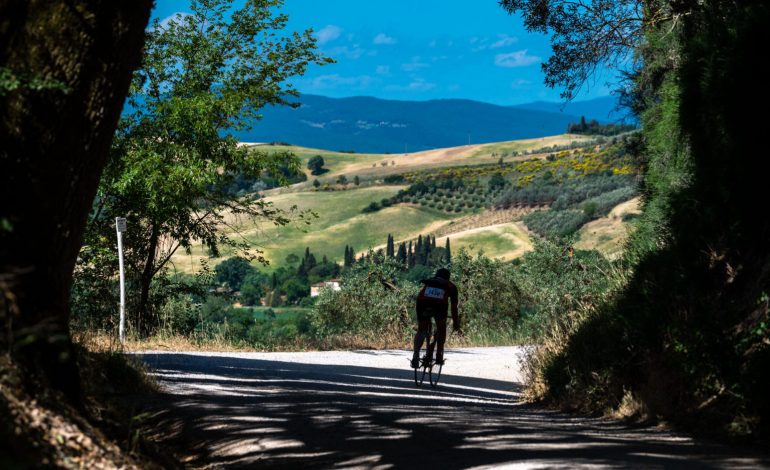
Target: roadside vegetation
x: 681, y: 332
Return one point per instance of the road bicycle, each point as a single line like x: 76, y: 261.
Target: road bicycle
x: 428, y: 365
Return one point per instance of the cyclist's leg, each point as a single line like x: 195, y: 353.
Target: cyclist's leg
x: 423, y: 332
x: 440, y: 338
x: 431, y: 344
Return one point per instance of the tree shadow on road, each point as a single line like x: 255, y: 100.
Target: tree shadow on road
x: 239, y: 412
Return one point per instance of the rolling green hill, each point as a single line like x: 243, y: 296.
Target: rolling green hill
x: 339, y: 208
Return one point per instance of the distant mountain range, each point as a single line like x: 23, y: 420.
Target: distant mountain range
x: 373, y: 125
x: 604, y: 110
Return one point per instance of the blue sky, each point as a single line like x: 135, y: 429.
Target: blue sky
x: 420, y: 50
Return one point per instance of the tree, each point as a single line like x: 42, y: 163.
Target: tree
x: 233, y: 271
x: 342, y: 179
x: 65, y: 68
x: 204, y: 76
x: 390, y: 248
x: 586, y: 34
x: 419, y: 252
x: 356, y: 180
x: 497, y: 181
x: 316, y: 183
x: 448, y: 251
x: 253, y: 288
x: 401, y: 254
x: 315, y: 165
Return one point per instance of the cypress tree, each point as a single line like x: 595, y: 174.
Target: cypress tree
x: 418, y: 251
x: 410, y: 255
x: 427, y: 249
x: 390, y: 249
x: 401, y: 255
x: 448, y: 251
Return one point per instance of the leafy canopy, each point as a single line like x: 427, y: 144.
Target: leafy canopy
x: 203, y: 76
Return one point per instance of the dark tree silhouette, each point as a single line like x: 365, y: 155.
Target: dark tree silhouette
x: 65, y: 68
x: 584, y: 35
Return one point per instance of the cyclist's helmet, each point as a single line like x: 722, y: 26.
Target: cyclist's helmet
x: 443, y: 273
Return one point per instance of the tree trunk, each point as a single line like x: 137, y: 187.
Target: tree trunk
x: 145, y: 323
x: 65, y: 68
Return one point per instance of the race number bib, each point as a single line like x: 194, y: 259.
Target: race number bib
x: 434, y: 293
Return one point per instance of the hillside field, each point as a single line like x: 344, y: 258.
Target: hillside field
x: 376, y: 166
x: 341, y: 220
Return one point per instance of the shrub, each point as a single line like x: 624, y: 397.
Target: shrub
x: 553, y: 223
x: 394, y: 179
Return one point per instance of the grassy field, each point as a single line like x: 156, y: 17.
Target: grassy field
x: 608, y: 234
x: 503, y: 241
x: 377, y: 166
x: 339, y: 223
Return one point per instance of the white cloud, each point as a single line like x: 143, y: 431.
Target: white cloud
x: 328, y: 33
x: 520, y: 83
x: 417, y: 84
x: 383, y: 38
x: 415, y: 64
x: 349, y: 52
x: 479, y: 44
x: 325, y: 82
x: 516, y: 59
x: 383, y: 70
x: 504, y: 41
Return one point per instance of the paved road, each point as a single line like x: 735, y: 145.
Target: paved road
x: 361, y: 409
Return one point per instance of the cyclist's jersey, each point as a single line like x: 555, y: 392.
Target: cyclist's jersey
x: 435, y: 295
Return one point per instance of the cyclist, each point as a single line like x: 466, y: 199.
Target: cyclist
x: 433, y: 302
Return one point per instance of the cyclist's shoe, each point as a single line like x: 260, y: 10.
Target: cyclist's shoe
x: 425, y: 362
x: 415, y: 362
x: 439, y: 360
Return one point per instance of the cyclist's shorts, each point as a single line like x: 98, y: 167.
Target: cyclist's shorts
x: 428, y: 313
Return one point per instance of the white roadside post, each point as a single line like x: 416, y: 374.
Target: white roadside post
x: 120, y: 226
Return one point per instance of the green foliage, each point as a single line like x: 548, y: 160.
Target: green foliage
x: 496, y: 181
x: 555, y: 224
x: 253, y: 288
x: 593, y: 127
x: 363, y: 306
x: 173, y: 163
x: 315, y: 165
x: 372, y: 207
x: 686, y: 335
x: 233, y: 271
x: 394, y: 179
x: 490, y: 296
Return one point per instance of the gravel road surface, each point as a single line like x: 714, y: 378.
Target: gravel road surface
x: 361, y: 409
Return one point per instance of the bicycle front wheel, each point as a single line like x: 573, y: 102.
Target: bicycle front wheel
x: 434, y: 375
x: 419, y: 375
